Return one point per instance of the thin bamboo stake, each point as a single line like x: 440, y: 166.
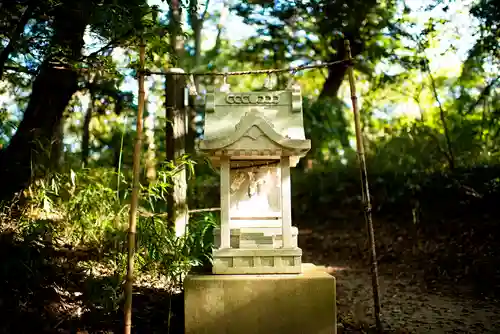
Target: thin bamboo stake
x: 135, y: 195
x: 365, y: 190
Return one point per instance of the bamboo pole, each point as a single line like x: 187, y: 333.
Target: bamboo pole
x: 365, y: 189
x: 135, y: 194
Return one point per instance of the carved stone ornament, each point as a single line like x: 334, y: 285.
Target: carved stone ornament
x: 253, y: 114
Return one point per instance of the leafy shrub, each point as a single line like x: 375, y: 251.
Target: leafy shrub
x: 87, y: 211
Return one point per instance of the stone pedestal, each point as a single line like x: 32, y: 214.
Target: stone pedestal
x: 257, y: 249
x: 261, y: 304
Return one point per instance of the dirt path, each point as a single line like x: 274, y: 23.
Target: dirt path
x: 407, y: 307
x: 33, y: 301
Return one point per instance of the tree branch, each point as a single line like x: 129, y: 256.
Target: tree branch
x: 111, y: 44
x: 205, y: 12
x: 486, y: 91
x: 442, y: 116
x: 4, y: 56
x: 20, y: 70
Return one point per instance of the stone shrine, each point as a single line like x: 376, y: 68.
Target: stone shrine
x: 258, y: 283
x: 254, y: 138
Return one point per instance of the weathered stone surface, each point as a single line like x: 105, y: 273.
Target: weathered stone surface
x: 222, y: 116
x: 261, y: 304
x: 259, y: 236
x: 257, y: 261
x: 255, y: 137
x: 254, y: 125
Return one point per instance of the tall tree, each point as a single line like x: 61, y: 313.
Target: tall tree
x: 367, y: 24
x: 58, y: 78
x: 312, y: 31
x: 175, y: 131
x: 53, y: 88
x: 196, y: 21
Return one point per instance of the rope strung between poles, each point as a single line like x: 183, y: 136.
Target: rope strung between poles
x: 146, y: 72
x: 293, y: 70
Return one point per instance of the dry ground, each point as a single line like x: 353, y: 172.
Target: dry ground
x: 408, y: 304
x: 54, y: 300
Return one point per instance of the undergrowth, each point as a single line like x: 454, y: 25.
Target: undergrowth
x: 80, y: 219
x: 441, y: 223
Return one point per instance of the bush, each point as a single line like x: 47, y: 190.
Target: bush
x: 86, y: 211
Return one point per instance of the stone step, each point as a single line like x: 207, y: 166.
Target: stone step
x: 262, y: 230
x: 257, y: 260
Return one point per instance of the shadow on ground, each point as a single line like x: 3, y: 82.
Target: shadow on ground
x: 414, y: 298
x: 44, y: 291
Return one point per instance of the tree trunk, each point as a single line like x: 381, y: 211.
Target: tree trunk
x: 176, y: 38
x: 197, y: 26
x: 331, y: 86
x: 337, y: 73
x: 149, y: 133
x: 56, y: 148
x: 175, y: 131
x: 333, y: 82
x: 177, y: 209
x: 116, y: 144
x: 442, y: 116
x: 26, y: 155
x: 351, y: 33
x: 86, y: 131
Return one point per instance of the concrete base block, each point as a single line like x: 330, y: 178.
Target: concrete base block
x: 261, y: 304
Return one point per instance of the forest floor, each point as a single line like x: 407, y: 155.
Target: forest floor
x: 57, y: 299
x: 411, y: 302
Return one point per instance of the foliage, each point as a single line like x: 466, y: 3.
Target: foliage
x: 86, y: 210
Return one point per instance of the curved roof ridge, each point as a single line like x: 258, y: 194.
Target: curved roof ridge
x: 250, y: 119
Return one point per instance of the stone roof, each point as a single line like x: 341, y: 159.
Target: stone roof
x: 255, y: 124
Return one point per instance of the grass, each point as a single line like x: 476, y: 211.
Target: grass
x: 69, y: 231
